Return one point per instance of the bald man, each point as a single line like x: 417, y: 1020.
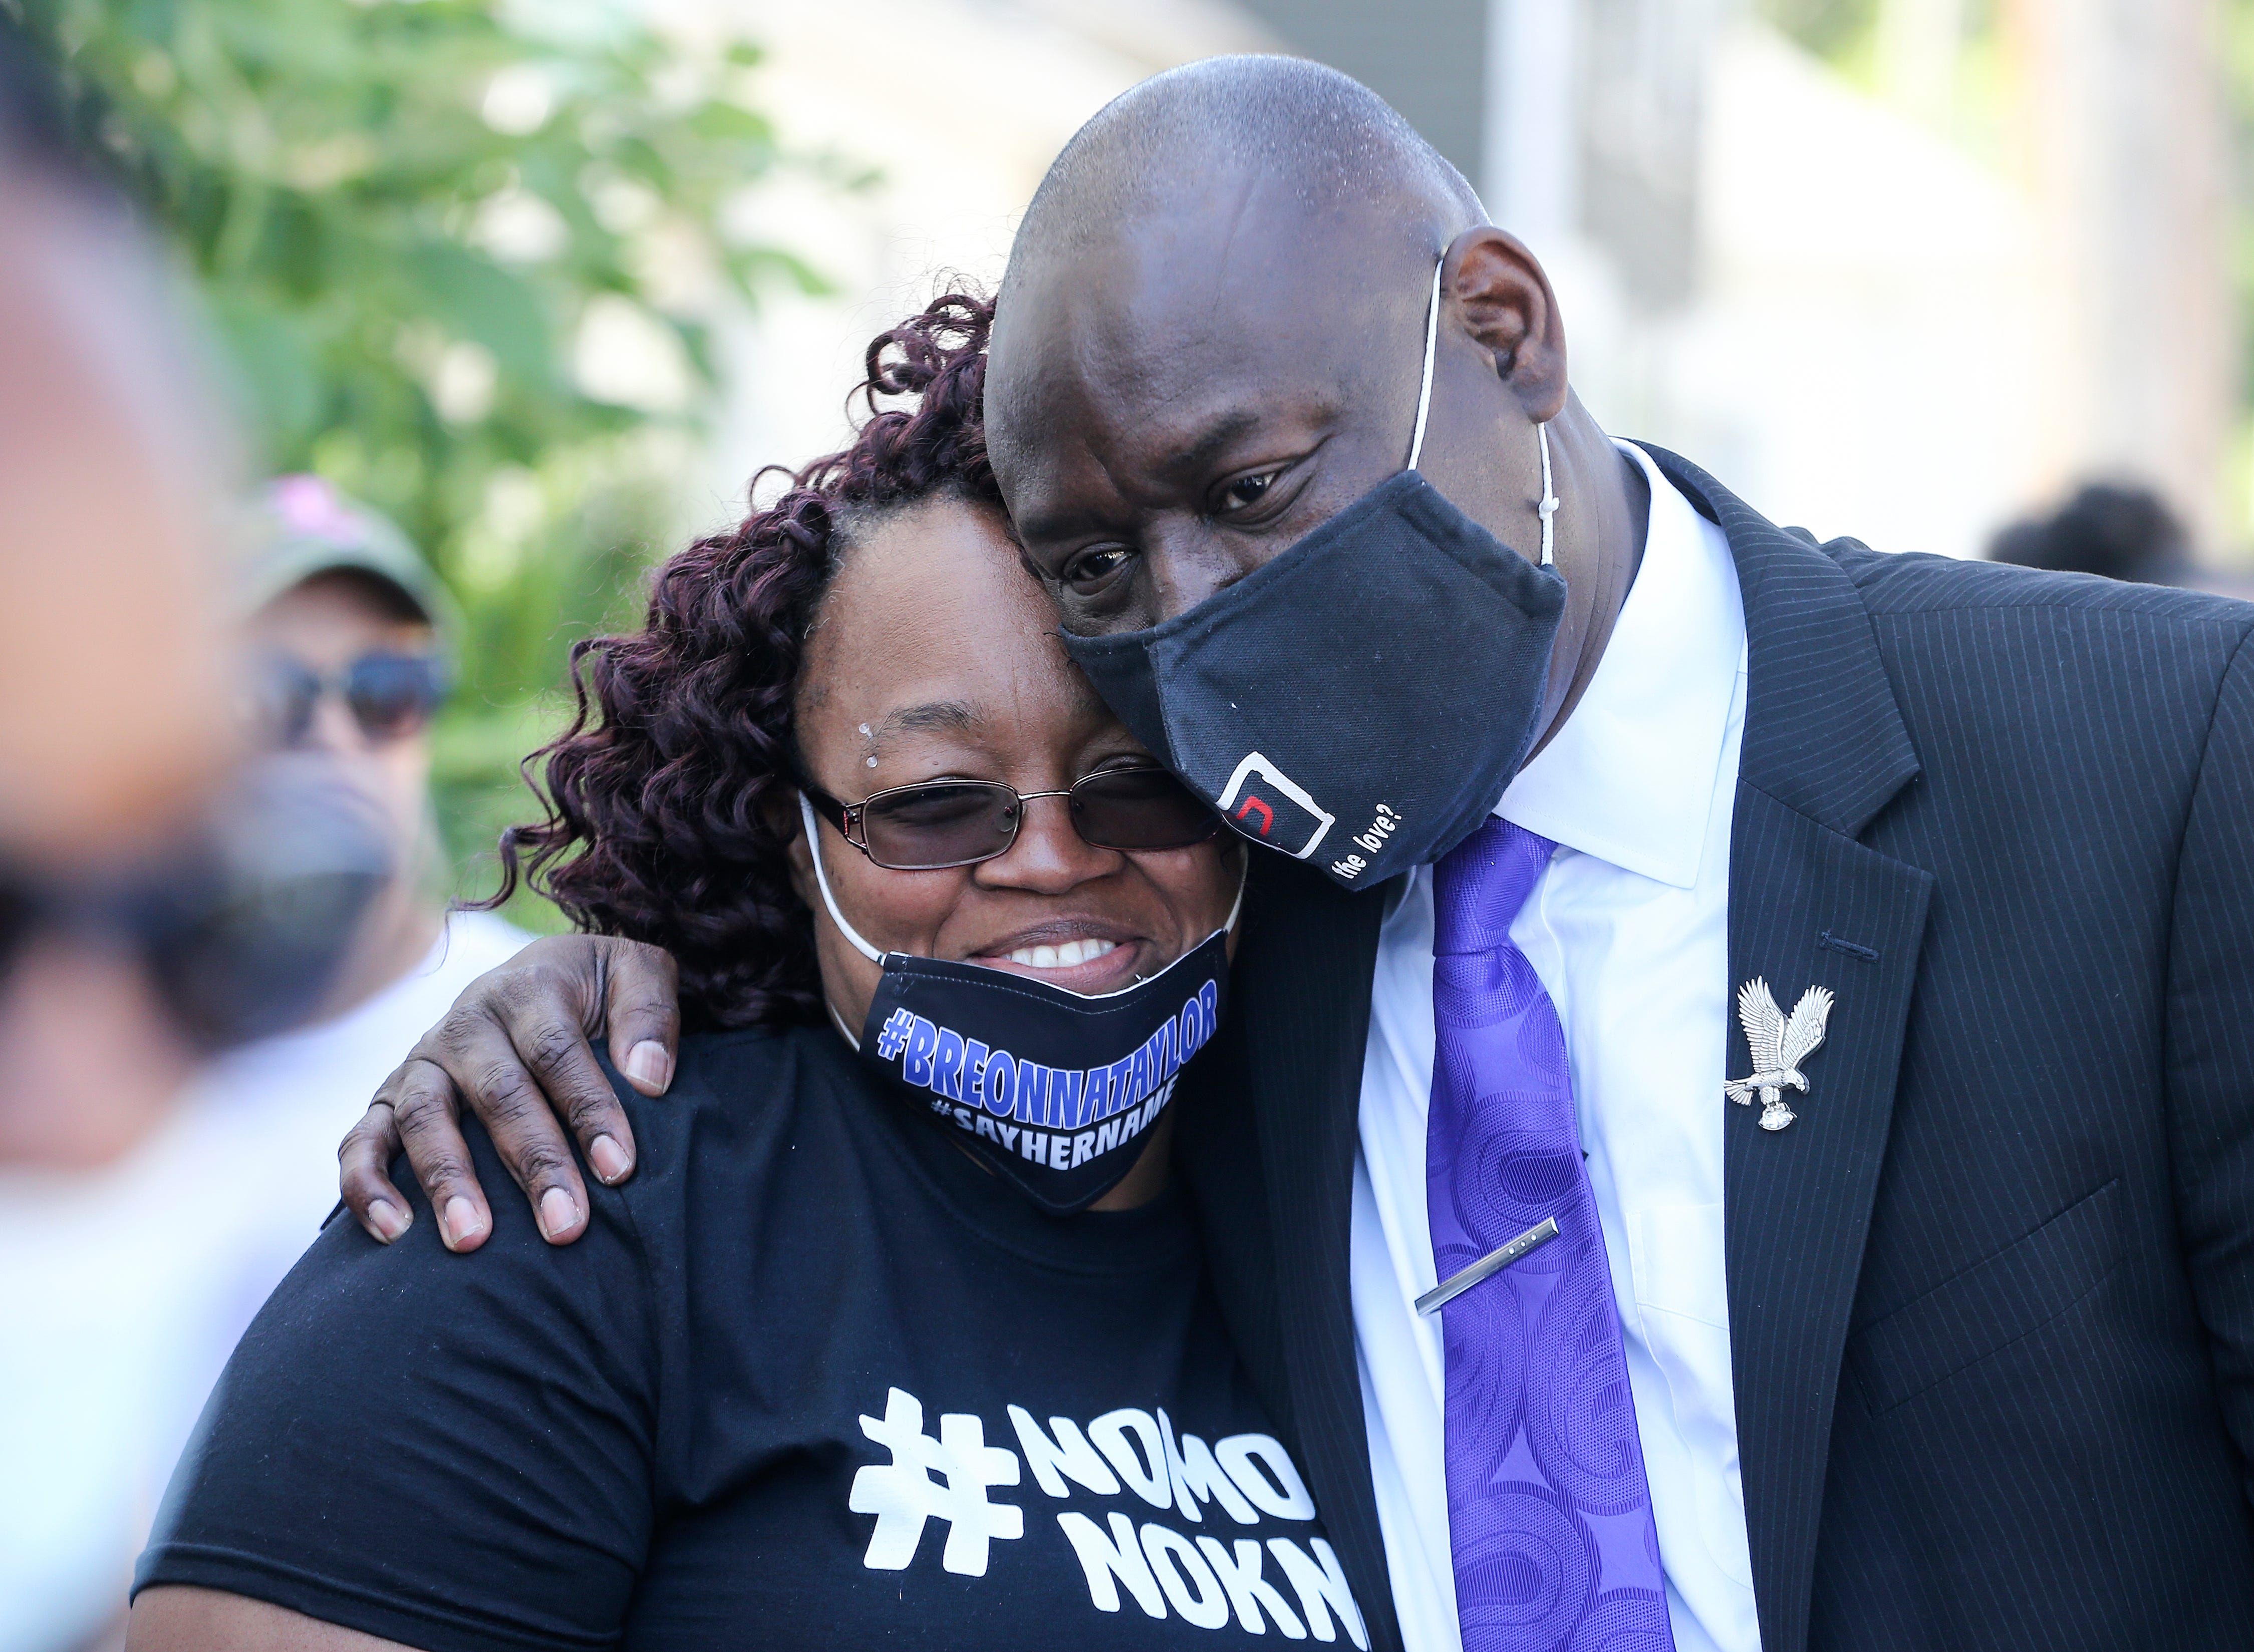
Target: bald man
x: 1737, y: 1124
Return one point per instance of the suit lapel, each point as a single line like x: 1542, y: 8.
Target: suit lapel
x: 1824, y: 750
x: 1798, y: 1202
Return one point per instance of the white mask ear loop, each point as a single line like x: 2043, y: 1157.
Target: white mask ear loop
x: 1547, y: 510
x: 813, y: 847
x: 1424, y: 387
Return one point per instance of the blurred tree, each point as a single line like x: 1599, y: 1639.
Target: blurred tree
x: 1941, y: 62
x: 463, y: 254
x: 1831, y: 29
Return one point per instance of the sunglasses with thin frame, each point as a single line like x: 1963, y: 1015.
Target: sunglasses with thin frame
x: 390, y: 696
x: 941, y: 823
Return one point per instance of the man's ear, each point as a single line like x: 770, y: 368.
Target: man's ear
x: 1494, y: 289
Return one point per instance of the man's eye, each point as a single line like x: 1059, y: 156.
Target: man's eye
x: 1244, y: 492
x: 1093, y: 568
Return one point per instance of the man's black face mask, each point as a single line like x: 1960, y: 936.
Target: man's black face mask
x: 1362, y: 701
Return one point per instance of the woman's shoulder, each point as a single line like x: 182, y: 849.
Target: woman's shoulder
x: 746, y: 1108
x: 736, y: 1060
x: 744, y: 1078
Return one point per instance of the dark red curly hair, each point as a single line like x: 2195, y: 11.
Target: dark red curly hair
x: 662, y: 796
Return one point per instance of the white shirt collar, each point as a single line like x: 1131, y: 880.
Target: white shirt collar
x: 1631, y: 772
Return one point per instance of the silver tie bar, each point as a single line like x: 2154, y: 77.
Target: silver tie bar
x: 1494, y: 1262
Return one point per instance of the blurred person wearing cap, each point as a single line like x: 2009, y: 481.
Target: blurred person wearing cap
x: 346, y: 657
x: 345, y: 649
x: 350, y: 637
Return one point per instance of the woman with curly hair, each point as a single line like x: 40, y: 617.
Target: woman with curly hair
x: 900, y: 1333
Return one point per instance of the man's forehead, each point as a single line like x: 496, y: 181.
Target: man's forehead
x: 1103, y: 449
x: 1167, y: 292
x: 1167, y: 384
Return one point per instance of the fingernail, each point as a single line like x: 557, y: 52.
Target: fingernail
x: 557, y: 1212
x: 387, y: 1219
x: 650, y: 1065
x: 461, y: 1221
x: 610, y: 1160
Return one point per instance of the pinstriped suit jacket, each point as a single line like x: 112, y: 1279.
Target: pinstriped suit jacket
x: 1991, y: 1300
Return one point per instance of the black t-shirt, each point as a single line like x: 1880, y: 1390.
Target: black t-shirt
x: 812, y: 1378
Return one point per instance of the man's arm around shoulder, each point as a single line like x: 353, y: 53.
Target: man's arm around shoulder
x: 516, y: 1047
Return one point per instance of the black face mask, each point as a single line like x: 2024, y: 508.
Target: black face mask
x: 1054, y: 1091
x: 1363, y: 701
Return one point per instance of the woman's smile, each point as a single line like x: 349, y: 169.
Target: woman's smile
x: 1084, y: 954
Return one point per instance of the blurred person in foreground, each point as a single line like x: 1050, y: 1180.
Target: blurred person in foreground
x: 149, y: 911
x: 113, y: 729
x: 1847, y: 953
x: 113, y: 714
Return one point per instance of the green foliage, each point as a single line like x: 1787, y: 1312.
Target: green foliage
x: 462, y: 254
x: 1831, y: 29
x: 1847, y: 34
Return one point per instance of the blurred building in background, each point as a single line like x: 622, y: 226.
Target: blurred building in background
x: 1907, y: 269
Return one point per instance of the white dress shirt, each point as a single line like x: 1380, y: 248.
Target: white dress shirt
x: 1627, y: 929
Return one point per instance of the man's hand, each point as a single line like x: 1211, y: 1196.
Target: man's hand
x: 516, y: 1045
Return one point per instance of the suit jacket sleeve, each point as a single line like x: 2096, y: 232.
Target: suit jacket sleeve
x: 2210, y: 1044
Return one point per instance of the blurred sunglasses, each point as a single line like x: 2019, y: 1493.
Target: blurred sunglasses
x: 960, y: 823
x: 240, y: 919
x: 390, y: 696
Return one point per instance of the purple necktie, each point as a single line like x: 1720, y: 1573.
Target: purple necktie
x: 1549, y: 1515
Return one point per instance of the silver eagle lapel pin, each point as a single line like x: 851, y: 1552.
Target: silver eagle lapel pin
x: 1779, y: 1046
